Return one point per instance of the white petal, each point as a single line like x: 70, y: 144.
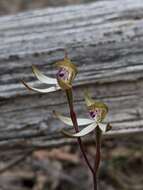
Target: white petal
x: 46, y: 90
x: 68, y: 121
x: 84, y: 121
x: 104, y: 127
x: 83, y: 132
x: 43, y: 78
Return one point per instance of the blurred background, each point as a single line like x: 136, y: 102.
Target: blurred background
x: 64, y: 168
x: 14, y: 6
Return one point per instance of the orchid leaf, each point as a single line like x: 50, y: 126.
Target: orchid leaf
x: 42, y: 77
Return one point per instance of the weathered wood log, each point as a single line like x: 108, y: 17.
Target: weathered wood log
x: 104, y: 39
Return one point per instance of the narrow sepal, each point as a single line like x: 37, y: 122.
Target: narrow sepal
x: 43, y: 78
x: 68, y: 121
x: 81, y: 133
x: 46, y: 90
x: 88, y: 100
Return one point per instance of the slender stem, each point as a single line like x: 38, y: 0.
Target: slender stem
x: 95, y: 182
x: 97, y: 156
x: 98, y: 135
x: 75, y: 124
x: 98, y: 145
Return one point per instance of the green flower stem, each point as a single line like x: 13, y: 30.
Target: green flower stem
x: 75, y: 124
x: 98, y: 153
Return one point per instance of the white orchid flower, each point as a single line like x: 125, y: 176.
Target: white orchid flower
x: 63, y: 80
x: 97, y: 111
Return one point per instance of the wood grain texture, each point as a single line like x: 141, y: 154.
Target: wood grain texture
x: 104, y: 39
